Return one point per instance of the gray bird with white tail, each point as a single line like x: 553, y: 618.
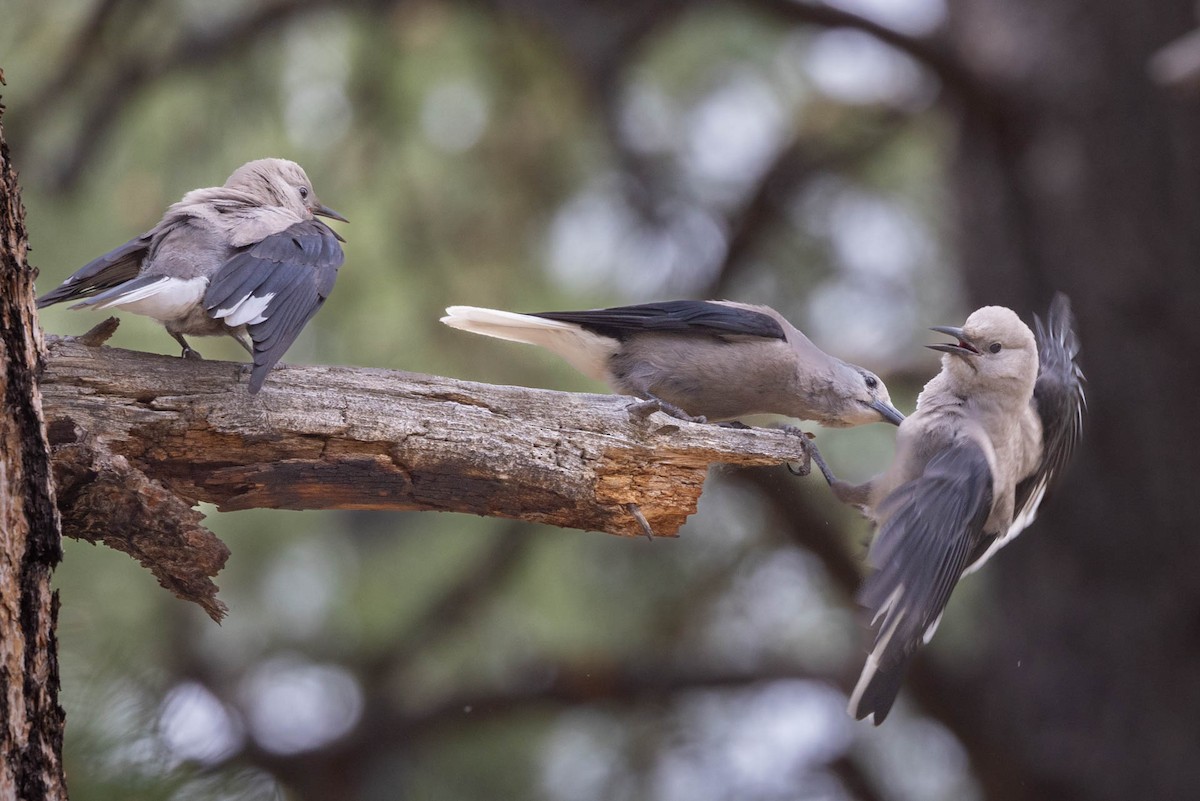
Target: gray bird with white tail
x: 703, y: 360
x: 247, y: 259
x: 972, y: 463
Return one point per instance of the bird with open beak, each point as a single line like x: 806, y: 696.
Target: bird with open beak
x: 991, y: 431
x: 248, y: 259
x: 699, y: 360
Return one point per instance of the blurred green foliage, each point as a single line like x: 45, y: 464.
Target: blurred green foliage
x: 485, y: 158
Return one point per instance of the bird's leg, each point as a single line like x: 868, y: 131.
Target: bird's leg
x: 188, y: 351
x: 240, y: 338
x: 854, y: 494
x: 815, y: 455
x: 653, y: 403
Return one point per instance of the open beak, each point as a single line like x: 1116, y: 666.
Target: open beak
x: 325, y: 211
x: 962, y: 348
x: 888, y: 412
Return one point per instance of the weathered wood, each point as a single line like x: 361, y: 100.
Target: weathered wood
x: 344, y: 438
x: 103, y: 498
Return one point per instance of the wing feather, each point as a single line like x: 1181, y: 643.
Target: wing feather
x: 103, y: 273
x: 287, y: 277
x: 1060, y: 402
x: 930, y: 526
x: 676, y: 316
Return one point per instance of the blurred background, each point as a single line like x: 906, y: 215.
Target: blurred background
x: 868, y: 167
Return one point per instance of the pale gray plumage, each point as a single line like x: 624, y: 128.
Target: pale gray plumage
x: 244, y: 259
x: 972, y: 463
x: 716, y: 360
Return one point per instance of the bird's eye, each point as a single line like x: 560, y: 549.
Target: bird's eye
x: 872, y: 382
x: 304, y: 193
x: 995, y: 348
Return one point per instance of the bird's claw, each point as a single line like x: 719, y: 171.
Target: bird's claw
x: 806, y: 444
x: 645, y: 408
x: 192, y: 354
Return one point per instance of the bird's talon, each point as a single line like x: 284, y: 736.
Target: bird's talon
x: 192, y: 355
x: 645, y: 408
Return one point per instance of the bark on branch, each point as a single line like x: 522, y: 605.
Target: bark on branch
x: 344, y: 438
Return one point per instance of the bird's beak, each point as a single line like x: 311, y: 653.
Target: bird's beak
x: 962, y: 348
x: 888, y: 412
x: 325, y: 211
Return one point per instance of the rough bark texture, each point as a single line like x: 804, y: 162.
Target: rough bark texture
x: 31, y: 721
x: 103, y: 498
x: 1087, y: 179
x: 138, y: 439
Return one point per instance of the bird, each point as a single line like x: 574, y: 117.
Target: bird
x: 990, y: 433
x: 698, y: 360
x: 248, y: 259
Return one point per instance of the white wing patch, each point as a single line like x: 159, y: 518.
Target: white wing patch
x: 247, y: 311
x: 587, y: 352
x: 165, y: 299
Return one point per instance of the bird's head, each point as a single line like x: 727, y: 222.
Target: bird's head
x: 865, y: 400
x: 279, y: 182
x: 994, y: 349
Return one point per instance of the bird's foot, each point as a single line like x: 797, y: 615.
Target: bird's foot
x: 191, y: 354
x: 644, y: 409
x: 809, y: 449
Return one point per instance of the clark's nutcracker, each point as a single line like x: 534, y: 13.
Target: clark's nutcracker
x: 701, y: 360
x: 990, y: 433
x: 246, y: 258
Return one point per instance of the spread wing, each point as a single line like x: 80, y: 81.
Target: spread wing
x: 103, y: 273
x: 274, y: 287
x: 675, y: 316
x: 1059, y: 401
x: 931, y: 527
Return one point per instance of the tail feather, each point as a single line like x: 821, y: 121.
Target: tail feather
x: 101, y: 274
x: 877, y: 688
x: 586, y: 351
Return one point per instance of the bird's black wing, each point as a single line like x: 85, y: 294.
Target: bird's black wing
x: 274, y: 287
x: 674, y: 316
x: 101, y: 274
x: 1059, y: 401
x: 931, y: 526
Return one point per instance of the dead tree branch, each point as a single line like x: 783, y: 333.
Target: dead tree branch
x: 343, y: 438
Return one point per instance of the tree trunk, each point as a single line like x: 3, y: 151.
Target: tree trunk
x: 31, y: 721
x: 1085, y: 177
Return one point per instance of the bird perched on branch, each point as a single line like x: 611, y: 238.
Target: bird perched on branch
x: 247, y: 259
x: 991, y: 431
x: 699, y: 360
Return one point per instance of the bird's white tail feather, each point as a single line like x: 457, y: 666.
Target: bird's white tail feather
x: 166, y: 299
x: 587, y: 352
